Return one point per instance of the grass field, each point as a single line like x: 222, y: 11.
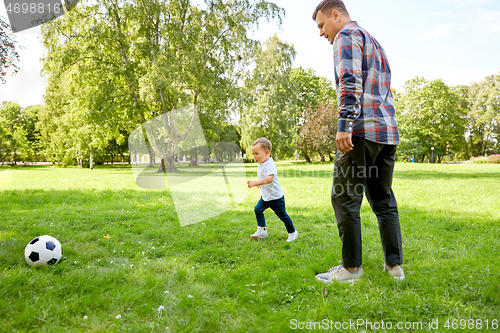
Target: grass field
x: 152, y: 275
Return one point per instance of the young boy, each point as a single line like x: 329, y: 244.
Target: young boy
x: 272, y: 194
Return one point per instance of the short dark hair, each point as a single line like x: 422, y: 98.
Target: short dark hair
x: 330, y: 5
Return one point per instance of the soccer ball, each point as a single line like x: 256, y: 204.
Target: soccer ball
x: 42, y: 251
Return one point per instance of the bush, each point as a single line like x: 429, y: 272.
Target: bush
x: 480, y: 159
x: 494, y: 158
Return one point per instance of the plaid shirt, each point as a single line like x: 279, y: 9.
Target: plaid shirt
x: 363, y: 79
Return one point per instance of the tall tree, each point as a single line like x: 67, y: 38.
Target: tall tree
x: 484, y: 116
x: 130, y: 61
x: 432, y: 115
x: 270, y: 106
x: 315, y: 98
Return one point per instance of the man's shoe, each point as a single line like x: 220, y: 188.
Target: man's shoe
x: 260, y: 233
x: 396, y: 272
x: 340, y: 274
x: 293, y: 236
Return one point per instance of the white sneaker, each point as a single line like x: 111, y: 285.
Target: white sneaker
x: 260, y: 233
x: 293, y: 236
x: 340, y: 274
x: 396, y: 272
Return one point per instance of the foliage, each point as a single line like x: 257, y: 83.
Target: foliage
x: 314, y: 91
x: 18, y: 135
x: 480, y: 160
x: 484, y: 116
x: 9, y: 57
x: 495, y: 158
x: 126, y: 62
x: 431, y: 114
x: 269, y: 109
x: 317, y: 134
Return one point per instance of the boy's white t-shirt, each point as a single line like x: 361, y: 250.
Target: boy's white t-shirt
x: 271, y: 191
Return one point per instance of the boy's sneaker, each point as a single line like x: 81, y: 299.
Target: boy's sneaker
x: 293, y: 236
x: 340, y: 274
x: 396, y: 272
x: 260, y: 233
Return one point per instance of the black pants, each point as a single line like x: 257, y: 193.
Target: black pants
x: 367, y: 168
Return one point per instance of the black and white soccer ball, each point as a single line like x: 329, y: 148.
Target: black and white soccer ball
x: 42, y: 251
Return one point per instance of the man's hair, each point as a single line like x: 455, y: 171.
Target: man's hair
x: 264, y: 143
x: 327, y: 6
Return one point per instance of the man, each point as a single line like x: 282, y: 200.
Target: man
x: 366, y: 140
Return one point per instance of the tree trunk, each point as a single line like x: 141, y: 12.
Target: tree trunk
x: 306, y: 156
x: 167, y: 158
x: 167, y: 165
x: 151, y: 154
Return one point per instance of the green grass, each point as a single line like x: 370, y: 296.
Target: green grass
x: 210, y: 277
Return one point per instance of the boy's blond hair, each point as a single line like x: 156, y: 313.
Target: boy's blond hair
x: 264, y: 143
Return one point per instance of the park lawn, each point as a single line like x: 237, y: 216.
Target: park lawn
x: 152, y: 275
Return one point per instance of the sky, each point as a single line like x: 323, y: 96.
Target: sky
x: 454, y: 40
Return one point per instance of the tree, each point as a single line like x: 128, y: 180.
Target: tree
x: 312, y: 90
x: 9, y: 57
x: 270, y: 106
x: 460, y: 147
x: 431, y: 115
x: 130, y: 61
x: 484, y: 116
x: 315, y: 98
x: 18, y: 137
x: 317, y: 134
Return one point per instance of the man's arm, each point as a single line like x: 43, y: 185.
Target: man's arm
x: 348, y: 54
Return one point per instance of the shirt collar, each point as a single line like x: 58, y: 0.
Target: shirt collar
x: 351, y: 24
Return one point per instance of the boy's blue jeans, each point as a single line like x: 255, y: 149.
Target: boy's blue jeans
x: 278, y: 206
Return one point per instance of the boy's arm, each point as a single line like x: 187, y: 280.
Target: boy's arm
x: 263, y: 181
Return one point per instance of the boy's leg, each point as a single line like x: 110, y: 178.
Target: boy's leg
x: 384, y: 205
x: 259, y: 212
x: 279, y: 208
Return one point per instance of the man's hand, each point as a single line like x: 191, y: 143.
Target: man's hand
x: 344, y: 142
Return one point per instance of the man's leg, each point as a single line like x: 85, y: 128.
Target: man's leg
x: 347, y: 195
x: 383, y: 202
